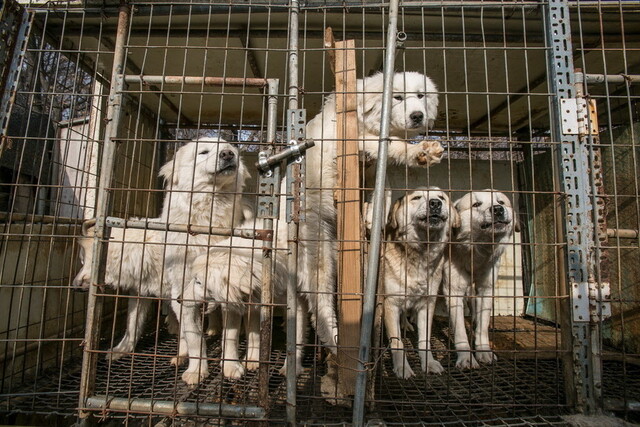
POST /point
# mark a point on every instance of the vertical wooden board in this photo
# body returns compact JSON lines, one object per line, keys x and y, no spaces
{"x":348,"y":206}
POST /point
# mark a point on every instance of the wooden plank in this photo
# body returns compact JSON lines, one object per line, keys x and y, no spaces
{"x":349,"y":221}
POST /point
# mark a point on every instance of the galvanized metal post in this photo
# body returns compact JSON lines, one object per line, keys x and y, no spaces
{"x":292,"y":228}
{"x":370,"y":287}
{"x":573,"y":167}
{"x":94,"y":305}
{"x":268,"y":191}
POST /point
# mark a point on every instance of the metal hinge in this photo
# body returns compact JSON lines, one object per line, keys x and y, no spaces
{"x":579,"y":116}
{"x":599,"y":300}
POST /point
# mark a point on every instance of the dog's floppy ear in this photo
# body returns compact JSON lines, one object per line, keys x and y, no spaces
{"x":516,"y":223}
{"x":432,"y":102}
{"x":169,"y":174}
{"x":456,"y":221}
{"x":392,"y":222}
{"x":369,"y":93}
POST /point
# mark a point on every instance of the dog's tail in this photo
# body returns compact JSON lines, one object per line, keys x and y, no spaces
{"x":323,"y":311}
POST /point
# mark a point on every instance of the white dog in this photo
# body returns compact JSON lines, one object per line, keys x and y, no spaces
{"x":205,"y":180}
{"x":414,"y":110}
{"x":487,"y":225}
{"x":414,"y":255}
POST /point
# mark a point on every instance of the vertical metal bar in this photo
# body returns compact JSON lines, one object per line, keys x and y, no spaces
{"x":266,"y":310}
{"x":573,"y":167}
{"x":376,"y":228}
{"x":94,"y":305}
{"x":292,"y":228}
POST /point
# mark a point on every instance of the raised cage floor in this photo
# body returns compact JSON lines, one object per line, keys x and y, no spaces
{"x":525,"y":388}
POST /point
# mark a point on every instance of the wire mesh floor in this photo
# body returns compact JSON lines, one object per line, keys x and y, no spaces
{"x":513,"y":391}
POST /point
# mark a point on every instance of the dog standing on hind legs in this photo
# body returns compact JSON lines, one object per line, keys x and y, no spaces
{"x":486,"y":228}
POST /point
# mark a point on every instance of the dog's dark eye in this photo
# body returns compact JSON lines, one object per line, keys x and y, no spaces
{"x":203,"y":152}
{"x":398,"y":97}
{"x":420,"y":95}
{"x":416,"y":198}
{"x":441,"y":197}
{"x":476,"y":204}
{"x":501,"y":202}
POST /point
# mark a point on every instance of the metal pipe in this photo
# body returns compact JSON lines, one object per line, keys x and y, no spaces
{"x":292,"y":228}
{"x":196,"y":80}
{"x":623,"y":233}
{"x":14,"y":217}
{"x":611,"y":78}
{"x":266,"y":296}
{"x":246,"y":233}
{"x":174,"y":408}
{"x":94,"y":305}
{"x":266,"y":163}
{"x":369,"y":303}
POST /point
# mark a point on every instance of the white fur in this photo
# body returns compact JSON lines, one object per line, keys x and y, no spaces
{"x":418,"y":229}
{"x":472,"y":269}
{"x":317,"y":246}
{"x":135,"y":257}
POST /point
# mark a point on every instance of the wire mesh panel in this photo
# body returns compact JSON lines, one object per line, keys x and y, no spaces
{"x":151,"y":157}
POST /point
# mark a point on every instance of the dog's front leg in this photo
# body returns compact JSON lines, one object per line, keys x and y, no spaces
{"x":392,"y":324}
{"x":454,"y":288}
{"x":191,"y":335}
{"x":482,"y":317}
{"x":137,"y":309}
{"x":425,"y":323}
{"x":252,"y":329}
{"x":231,"y":366}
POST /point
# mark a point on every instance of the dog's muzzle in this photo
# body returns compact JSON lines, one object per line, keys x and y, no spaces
{"x":500,"y":219}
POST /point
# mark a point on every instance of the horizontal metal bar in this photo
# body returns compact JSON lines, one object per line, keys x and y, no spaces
{"x":611,"y":78}
{"x":246,"y":233}
{"x":43,"y":219}
{"x":620,"y":404}
{"x":171,"y":407}
{"x":623,"y":233}
{"x":196,"y":80}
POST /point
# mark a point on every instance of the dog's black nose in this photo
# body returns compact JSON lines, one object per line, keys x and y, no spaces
{"x":417,"y":116}
{"x":435,"y":205}
{"x":498,"y":211}
{"x":227,"y":155}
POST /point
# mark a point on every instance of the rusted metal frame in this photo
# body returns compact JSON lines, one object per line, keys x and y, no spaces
{"x":170,"y":407}
{"x":581,"y":384}
{"x":103,"y":206}
{"x":13,"y":46}
{"x":611,"y":78}
{"x":197,"y":80}
{"x":246,"y":233}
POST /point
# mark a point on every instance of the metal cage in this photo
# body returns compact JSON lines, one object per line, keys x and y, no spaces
{"x":537,"y":101}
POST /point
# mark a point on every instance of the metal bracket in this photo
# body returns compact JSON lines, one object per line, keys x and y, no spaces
{"x":268,"y":185}
{"x":569,"y":112}
{"x":296,"y":122}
